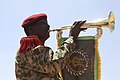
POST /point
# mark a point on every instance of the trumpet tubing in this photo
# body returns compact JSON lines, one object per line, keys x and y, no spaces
{"x":94,"y":24}
{"x":106,"y":22}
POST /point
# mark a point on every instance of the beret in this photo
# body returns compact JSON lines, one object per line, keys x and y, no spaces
{"x":34,"y":18}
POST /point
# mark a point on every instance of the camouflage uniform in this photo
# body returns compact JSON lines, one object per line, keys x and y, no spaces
{"x":40,"y":63}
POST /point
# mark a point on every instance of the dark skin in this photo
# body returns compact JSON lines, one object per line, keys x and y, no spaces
{"x":41,"y":30}
{"x":76,"y":29}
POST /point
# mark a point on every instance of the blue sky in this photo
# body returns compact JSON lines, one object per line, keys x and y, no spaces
{"x":60,"y":13}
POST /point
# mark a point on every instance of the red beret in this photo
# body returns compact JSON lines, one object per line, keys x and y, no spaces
{"x":34,"y":18}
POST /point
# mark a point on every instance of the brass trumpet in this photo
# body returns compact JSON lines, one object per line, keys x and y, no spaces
{"x":108,"y":22}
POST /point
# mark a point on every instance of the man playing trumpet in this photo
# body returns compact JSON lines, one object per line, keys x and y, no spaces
{"x":34,"y":60}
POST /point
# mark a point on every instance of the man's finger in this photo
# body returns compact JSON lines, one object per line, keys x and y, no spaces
{"x":76,"y":23}
{"x":82,"y":22}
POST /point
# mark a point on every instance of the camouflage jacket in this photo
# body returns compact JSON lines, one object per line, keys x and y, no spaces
{"x":40,"y":63}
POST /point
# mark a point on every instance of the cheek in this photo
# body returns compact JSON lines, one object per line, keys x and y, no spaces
{"x":43,"y":33}
{"x":42,"y":30}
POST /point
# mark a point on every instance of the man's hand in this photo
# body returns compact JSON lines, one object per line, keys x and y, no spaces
{"x":76,"y":29}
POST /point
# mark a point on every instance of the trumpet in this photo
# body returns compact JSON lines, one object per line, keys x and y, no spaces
{"x":108,"y":22}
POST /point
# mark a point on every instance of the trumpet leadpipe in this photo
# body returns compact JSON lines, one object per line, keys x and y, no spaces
{"x":85,"y":25}
{"x":59,"y":29}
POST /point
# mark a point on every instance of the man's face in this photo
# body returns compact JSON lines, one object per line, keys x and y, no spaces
{"x":41,"y":30}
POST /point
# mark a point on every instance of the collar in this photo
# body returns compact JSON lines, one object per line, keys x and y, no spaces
{"x":29,"y":42}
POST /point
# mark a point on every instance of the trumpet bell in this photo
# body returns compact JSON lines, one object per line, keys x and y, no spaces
{"x":111,"y":21}
{"x":108,"y":22}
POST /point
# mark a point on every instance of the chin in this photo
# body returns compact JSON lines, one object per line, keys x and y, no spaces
{"x":46,"y":38}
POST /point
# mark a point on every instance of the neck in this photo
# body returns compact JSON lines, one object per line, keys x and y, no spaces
{"x":42,"y":39}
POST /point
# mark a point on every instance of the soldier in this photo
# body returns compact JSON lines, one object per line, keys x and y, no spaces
{"x":34,"y":60}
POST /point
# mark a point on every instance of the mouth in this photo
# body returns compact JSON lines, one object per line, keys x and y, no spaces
{"x":49,"y":31}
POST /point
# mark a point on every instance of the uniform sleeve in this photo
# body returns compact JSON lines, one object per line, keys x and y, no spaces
{"x":43,"y":60}
{"x":62,"y":54}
